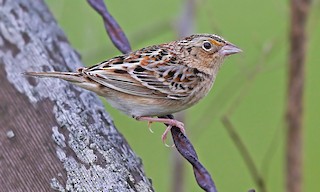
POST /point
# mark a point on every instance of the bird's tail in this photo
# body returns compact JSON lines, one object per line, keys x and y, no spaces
{"x":74,"y":77}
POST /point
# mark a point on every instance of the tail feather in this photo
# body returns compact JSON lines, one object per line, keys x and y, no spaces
{"x":74,"y":77}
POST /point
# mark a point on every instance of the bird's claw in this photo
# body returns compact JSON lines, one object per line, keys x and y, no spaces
{"x":149,"y":126}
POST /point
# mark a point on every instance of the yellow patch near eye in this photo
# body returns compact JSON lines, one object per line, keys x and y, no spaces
{"x":214,"y":42}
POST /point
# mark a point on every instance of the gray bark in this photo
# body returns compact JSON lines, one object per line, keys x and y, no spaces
{"x":54,"y":135}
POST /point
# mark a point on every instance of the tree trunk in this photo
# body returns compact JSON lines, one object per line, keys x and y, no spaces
{"x":54,"y":135}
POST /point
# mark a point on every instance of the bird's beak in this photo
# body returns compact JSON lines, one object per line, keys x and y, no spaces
{"x":229,"y":49}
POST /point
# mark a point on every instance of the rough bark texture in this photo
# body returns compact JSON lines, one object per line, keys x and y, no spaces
{"x":297,"y":55}
{"x":54,"y":135}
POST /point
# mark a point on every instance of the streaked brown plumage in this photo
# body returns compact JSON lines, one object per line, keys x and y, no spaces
{"x":156,"y":80}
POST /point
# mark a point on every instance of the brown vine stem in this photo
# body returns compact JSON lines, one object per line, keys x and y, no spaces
{"x":181,"y":142}
{"x":296,"y":66}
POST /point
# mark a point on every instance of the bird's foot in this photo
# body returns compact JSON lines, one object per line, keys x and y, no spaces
{"x":170,"y":122}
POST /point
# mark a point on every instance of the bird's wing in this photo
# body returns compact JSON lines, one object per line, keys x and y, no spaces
{"x":150,"y":72}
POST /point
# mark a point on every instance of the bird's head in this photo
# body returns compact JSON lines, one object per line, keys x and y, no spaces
{"x":207,"y":51}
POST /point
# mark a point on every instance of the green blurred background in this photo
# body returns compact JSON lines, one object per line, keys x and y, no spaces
{"x":250,"y":89}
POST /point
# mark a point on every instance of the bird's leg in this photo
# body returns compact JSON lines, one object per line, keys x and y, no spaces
{"x":169,"y":122}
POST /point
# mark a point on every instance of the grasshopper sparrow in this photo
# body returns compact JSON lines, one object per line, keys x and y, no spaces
{"x":156,"y":80}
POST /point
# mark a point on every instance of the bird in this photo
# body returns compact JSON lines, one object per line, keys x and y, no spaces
{"x":157,"y":80}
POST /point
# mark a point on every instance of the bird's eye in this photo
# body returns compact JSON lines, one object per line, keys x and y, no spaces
{"x":207,"y":45}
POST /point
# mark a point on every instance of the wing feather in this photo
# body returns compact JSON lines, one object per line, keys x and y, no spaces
{"x":150,"y":72}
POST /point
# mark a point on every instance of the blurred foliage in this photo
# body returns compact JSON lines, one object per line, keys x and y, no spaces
{"x":250,"y":89}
